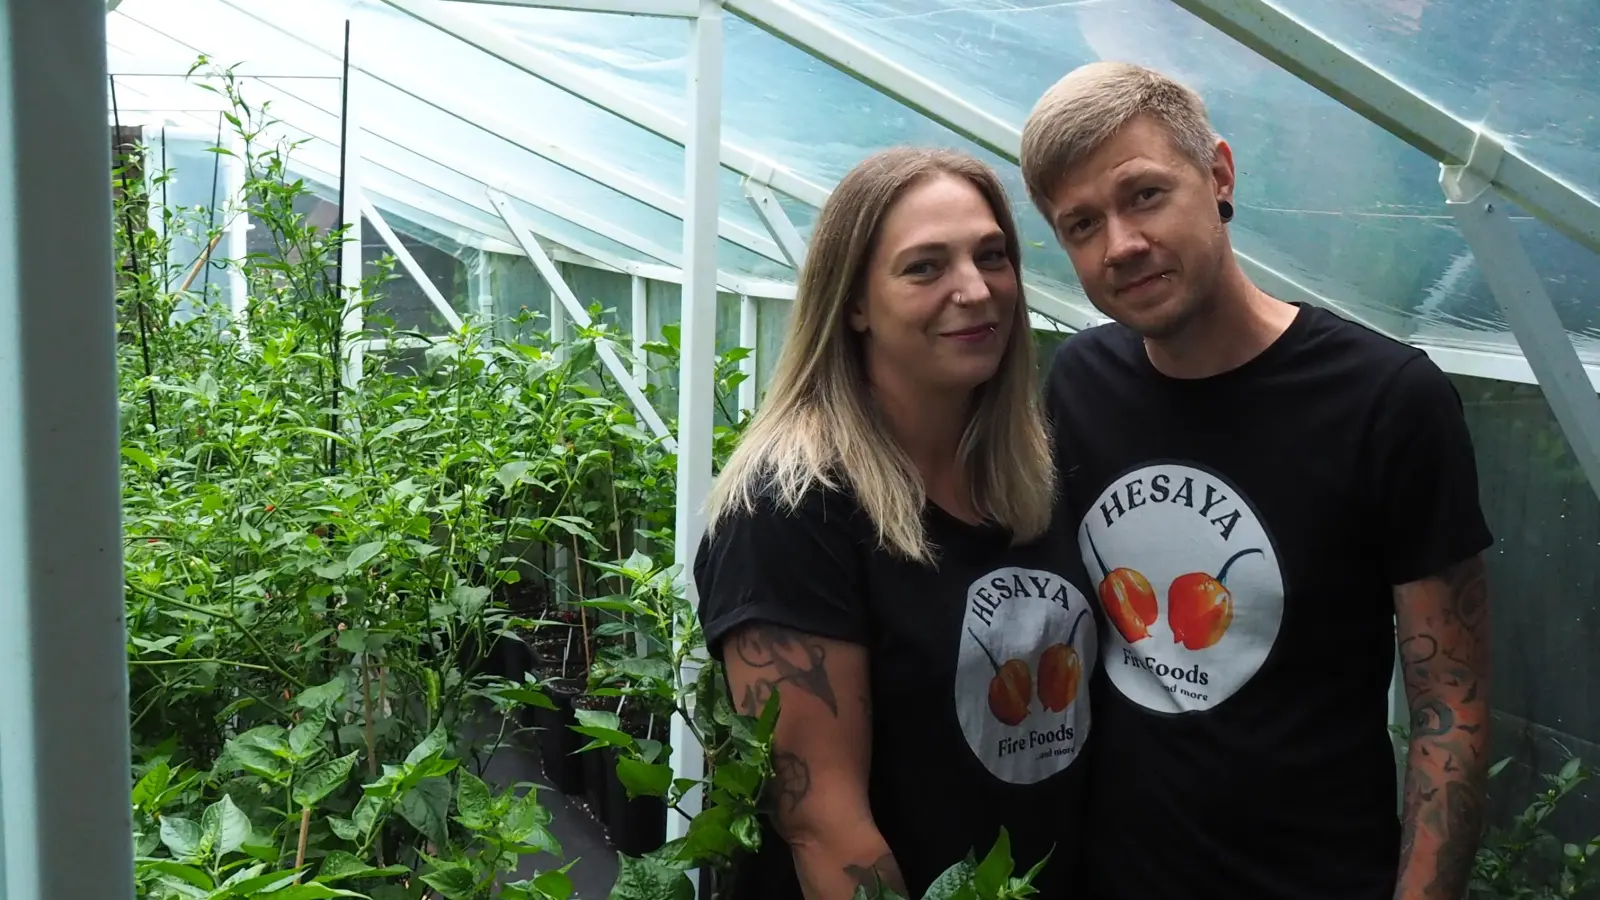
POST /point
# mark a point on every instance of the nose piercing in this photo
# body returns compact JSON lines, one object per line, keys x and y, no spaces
{"x":956,"y":298}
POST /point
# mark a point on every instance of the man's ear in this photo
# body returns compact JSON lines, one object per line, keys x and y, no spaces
{"x":1222,"y":171}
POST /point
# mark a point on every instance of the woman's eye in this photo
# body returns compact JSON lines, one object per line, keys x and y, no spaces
{"x":993,"y":257}
{"x":919,"y":268}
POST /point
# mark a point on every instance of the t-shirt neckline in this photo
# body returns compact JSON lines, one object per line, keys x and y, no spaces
{"x":1280,"y":345}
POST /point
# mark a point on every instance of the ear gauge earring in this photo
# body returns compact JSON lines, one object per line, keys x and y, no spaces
{"x":1225,"y":209}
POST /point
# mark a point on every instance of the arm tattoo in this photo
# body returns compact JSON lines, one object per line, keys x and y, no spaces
{"x":782,"y":657}
{"x":1444,"y":659}
{"x":881,"y":875}
{"x":786,"y":789}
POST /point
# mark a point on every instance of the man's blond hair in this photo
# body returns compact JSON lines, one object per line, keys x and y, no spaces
{"x":1090,"y":104}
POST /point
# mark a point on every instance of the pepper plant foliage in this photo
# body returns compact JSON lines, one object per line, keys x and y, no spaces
{"x":319,"y":566}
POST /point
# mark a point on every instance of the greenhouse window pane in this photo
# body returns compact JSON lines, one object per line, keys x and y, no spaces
{"x":1326,"y":198}
{"x":1528,"y":71}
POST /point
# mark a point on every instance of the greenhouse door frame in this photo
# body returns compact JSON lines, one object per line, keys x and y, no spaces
{"x":65,"y":754}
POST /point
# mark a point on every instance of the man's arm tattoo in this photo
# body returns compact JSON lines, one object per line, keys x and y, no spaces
{"x":782,"y":657}
{"x":1444,"y":660}
{"x":885,"y":873}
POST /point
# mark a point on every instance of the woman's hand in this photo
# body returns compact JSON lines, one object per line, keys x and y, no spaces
{"x":822,"y":753}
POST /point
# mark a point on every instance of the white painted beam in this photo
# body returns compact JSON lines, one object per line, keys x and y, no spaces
{"x":574,"y":309}
{"x":1335,"y":71}
{"x":409,"y":263}
{"x":674,"y":9}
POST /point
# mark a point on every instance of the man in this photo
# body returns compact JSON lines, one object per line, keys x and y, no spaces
{"x":1263,"y":493}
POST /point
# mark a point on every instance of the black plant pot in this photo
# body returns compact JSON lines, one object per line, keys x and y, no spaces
{"x":558,"y":743}
{"x":638,"y":825}
{"x":597,"y":770}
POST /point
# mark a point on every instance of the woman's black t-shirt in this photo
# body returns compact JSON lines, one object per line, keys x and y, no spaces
{"x":979,"y":677}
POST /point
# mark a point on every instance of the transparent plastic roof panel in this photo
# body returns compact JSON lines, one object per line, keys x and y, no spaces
{"x":1528,"y":71}
{"x":487,"y":122}
{"x":1326,"y":198}
{"x":779,"y":102}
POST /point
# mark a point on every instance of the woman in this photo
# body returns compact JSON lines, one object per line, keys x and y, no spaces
{"x":880,"y":552}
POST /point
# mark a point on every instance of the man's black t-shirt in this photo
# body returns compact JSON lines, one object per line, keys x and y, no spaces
{"x":980,"y":716}
{"x":1242,"y":533}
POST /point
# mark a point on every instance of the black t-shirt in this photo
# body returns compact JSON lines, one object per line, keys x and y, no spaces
{"x":1242,"y":533}
{"x":953,"y":758}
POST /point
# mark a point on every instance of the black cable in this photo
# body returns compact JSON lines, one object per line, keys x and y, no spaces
{"x":133,"y":260}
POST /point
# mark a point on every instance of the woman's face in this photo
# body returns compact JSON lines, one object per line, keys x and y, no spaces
{"x":940,"y":292}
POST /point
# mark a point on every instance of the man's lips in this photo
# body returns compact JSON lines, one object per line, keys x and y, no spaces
{"x":1138,"y":283}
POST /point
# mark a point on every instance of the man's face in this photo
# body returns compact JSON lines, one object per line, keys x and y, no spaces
{"x":1139,"y":221}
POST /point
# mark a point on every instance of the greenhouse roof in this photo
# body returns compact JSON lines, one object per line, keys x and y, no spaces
{"x":580,"y":117}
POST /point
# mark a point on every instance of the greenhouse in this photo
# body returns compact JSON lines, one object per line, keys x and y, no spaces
{"x":359,"y":438}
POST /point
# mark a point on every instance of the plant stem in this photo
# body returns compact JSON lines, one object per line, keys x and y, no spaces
{"x":305,"y":832}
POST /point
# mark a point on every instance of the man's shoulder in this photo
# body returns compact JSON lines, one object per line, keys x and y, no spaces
{"x":1094,"y":347}
{"x":1363,"y":348}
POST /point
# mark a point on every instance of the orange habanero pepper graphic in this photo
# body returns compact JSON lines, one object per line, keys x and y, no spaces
{"x":1061,"y":671}
{"x":1200,"y":607}
{"x":1011,"y":689}
{"x":1128,"y":598}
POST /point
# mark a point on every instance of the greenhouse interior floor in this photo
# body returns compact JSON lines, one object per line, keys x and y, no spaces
{"x":582,"y":837}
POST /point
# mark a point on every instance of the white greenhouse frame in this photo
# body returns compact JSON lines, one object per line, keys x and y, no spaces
{"x":63,"y":689}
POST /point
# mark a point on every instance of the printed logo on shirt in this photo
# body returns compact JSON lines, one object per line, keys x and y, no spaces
{"x":1189,"y":581}
{"x":1027,"y":644}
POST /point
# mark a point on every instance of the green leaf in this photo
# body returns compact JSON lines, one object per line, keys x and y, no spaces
{"x":432,"y":745}
{"x":644,"y":779}
{"x":650,"y":879}
{"x":140,"y":457}
{"x":954,"y":884}
{"x":323,"y":780}
{"x":305,"y":738}
{"x":312,"y":891}
{"x":426,"y":807}
{"x":453,"y":880}
{"x":555,"y":885}
{"x":996,"y":868}
{"x":363,"y":554}
{"x":470,"y":599}
{"x":474,"y":808}
{"x":245,"y":883}
{"x":400,"y":427}
{"x":339,"y":865}
{"x":512,"y":472}
{"x":741,"y":780}
{"x":321,"y":695}
{"x":189,"y":874}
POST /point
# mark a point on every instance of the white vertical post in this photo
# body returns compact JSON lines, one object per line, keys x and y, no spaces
{"x":1480,"y":215}
{"x":640,"y":329}
{"x":749,"y":336}
{"x":65,"y":823}
{"x":482,"y":288}
{"x":238,"y":238}
{"x":698,"y":348}
{"x":350,"y":252}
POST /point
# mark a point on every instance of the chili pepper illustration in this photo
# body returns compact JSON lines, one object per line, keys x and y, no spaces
{"x":1128,"y":599}
{"x":1011,"y":689}
{"x":1200,"y":607}
{"x":1061,"y":671}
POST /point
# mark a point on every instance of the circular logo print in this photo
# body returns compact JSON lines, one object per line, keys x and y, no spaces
{"x":1189,"y":582}
{"x":1028,"y":642}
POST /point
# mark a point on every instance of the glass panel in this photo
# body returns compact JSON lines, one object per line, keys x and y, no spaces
{"x":1529,"y":71}
{"x":1325,"y":197}
{"x":405,"y":121}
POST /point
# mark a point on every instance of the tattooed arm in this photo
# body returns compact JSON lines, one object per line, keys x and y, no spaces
{"x":1444,"y":653}
{"x":817,"y":797}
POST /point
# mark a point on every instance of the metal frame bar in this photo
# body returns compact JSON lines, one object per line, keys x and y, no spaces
{"x":672,"y":9}
{"x":831,"y":45}
{"x":1480,"y":215}
{"x":1335,"y":71}
{"x":704,"y":149}
{"x":639,"y":319}
{"x":580,"y":84}
{"x":574,"y":309}
{"x":409,"y":263}
{"x":477,"y":117}
{"x":64,"y":747}
{"x":783,"y":232}
{"x":749,"y":337}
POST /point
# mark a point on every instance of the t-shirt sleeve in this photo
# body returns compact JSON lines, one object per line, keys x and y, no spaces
{"x":799,"y":568}
{"x":1428,"y":514}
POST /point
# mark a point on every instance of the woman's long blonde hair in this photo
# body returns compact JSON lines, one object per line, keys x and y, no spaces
{"x":818,"y":421}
